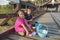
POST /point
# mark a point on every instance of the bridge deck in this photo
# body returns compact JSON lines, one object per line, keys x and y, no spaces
{"x":47,"y":19}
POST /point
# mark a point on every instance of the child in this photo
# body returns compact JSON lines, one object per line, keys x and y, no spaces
{"x":21,"y":25}
{"x":28,"y":15}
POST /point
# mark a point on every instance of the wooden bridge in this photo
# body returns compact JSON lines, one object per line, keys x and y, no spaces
{"x":42,"y":17}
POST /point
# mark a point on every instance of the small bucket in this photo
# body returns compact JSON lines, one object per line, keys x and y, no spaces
{"x":42,"y":33}
{"x":42,"y":30}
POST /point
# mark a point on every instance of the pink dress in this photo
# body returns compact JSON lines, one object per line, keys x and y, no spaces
{"x":18,"y":27}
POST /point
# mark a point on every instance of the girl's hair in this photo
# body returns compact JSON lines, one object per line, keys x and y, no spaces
{"x":20,"y":11}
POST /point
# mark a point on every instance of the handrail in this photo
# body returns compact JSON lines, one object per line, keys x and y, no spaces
{"x":56,"y":2}
{"x":23,"y":3}
{"x":7,"y":15}
{"x":10,"y":15}
{"x":32,"y":5}
{"x":28,"y":4}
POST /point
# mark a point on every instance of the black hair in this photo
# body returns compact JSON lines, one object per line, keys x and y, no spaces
{"x":36,"y":22}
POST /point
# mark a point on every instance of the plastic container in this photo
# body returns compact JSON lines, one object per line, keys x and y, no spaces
{"x":42,"y":30}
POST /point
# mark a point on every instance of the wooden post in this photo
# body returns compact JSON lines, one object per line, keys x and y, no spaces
{"x":58,"y":8}
{"x":19,"y":4}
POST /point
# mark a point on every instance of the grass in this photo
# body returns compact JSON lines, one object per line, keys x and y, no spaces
{"x":2,"y":28}
{"x":11,"y":21}
{"x":1,"y":20}
{"x":6,"y":9}
{"x":38,"y":2}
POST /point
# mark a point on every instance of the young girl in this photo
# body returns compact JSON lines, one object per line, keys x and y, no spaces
{"x":21,"y":25}
{"x":28,"y":15}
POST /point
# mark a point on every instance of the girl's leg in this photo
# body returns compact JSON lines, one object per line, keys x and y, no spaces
{"x":21,"y":33}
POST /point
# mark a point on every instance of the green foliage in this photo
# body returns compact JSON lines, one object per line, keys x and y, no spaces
{"x":38,"y":1}
{"x":1,"y":29}
{"x":6,"y":9}
{"x":11,"y":21}
{"x":1,"y":20}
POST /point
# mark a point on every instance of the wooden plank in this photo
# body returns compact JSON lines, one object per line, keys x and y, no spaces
{"x":6,"y":32}
{"x":32,"y":5}
{"x":28,"y":4}
{"x":45,"y":3}
{"x":4,"y":21}
{"x":7,"y":15}
{"x":55,"y":3}
{"x":1,"y":20}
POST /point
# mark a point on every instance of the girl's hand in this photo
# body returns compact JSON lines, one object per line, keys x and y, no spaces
{"x":27,"y":33}
{"x":32,"y":30}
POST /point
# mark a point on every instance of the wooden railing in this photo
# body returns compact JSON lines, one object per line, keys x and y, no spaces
{"x":7,"y":15}
{"x":56,"y":2}
{"x":10,"y":15}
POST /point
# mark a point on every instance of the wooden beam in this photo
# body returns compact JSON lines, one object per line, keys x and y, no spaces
{"x":19,"y":4}
{"x":28,"y":4}
{"x":57,"y":2}
{"x":7,"y":15}
{"x":45,"y":3}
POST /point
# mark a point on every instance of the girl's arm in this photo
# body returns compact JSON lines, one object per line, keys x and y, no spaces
{"x":28,"y":25}
{"x":25,"y":29}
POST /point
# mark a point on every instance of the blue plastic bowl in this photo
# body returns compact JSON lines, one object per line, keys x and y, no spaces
{"x":42,"y":32}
